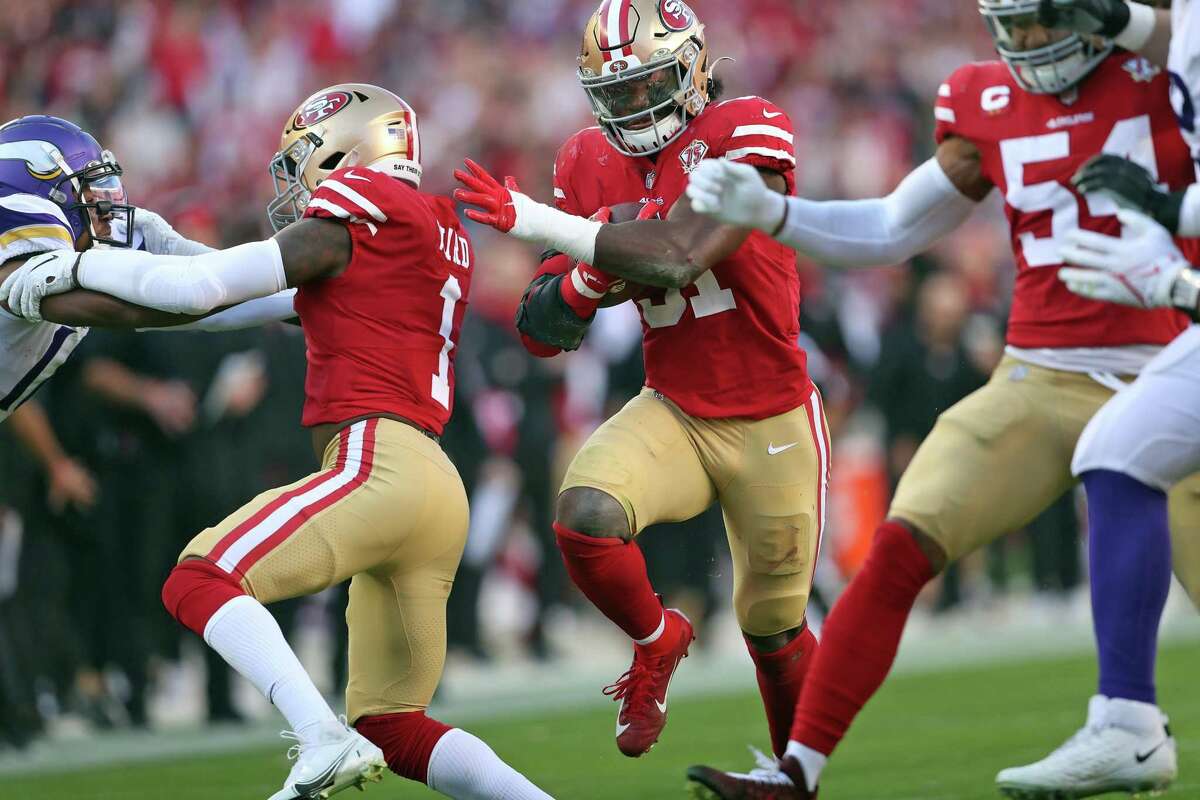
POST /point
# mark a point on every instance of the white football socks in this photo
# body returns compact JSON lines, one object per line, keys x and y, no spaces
{"x":812,"y":761}
{"x":249,"y":638}
{"x":465,"y":768}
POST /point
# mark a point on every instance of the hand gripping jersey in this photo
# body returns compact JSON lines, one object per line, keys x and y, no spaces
{"x":30,"y":352}
{"x":726,"y":346}
{"x":1030,"y":146}
{"x":381,"y":336}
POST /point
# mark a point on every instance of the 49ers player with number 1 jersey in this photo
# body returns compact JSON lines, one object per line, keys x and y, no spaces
{"x":1024,"y":125}
{"x":728,"y":413}
{"x":382,"y":272}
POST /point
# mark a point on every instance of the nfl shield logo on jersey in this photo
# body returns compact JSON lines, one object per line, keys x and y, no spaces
{"x":1141,"y":69}
{"x":693,"y":154}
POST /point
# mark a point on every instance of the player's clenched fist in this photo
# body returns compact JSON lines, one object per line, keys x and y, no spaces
{"x":735,"y":194}
{"x":38,"y":278}
{"x":1105,"y":18}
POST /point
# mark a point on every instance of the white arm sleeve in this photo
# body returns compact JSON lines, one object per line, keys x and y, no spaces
{"x":185,"y":284}
{"x":864,"y":233}
{"x":1189,"y":213}
{"x":250,"y":314}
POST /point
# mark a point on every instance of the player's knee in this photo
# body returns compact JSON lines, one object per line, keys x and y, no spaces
{"x":594,"y":513}
{"x":768,"y":617}
{"x":195,"y":590}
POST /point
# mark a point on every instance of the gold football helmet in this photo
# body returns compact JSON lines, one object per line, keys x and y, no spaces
{"x":645,"y":67}
{"x":347,"y":125}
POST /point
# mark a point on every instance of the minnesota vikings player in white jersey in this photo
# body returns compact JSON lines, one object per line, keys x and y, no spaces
{"x":59,"y":190}
{"x":1146,"y":438}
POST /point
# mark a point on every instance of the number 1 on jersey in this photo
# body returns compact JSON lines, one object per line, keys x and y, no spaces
{"x":451,"y":293}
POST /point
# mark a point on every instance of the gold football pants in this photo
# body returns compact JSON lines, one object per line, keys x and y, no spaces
{"x":999,"y":457}
{"x":387,"y":510}
{"x":770,"y":475}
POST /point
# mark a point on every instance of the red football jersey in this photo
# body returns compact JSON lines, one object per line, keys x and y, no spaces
{"x":381,"y":336}
{"x":1031,"y":145}
{"x":726,"y":346}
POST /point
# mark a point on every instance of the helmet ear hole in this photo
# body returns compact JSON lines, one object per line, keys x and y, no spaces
{"x":332,"y":161}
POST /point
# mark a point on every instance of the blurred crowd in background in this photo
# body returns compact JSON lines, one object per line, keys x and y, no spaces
{"x":177,"y":430}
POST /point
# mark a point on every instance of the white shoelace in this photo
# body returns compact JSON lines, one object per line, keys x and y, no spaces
{"x":767,"y":769}
{"x":295,"y":750}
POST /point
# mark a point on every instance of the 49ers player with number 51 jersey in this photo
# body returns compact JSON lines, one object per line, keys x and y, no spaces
{"x":1024,"y":125}
{"x":728,"y":413}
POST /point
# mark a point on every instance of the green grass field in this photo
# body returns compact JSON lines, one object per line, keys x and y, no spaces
{"x":938,"y":736}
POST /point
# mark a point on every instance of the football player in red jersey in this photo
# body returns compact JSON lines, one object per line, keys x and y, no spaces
{"x":382,"y":273}
{"x":1023,"y":124}
{"x":728,"y":413}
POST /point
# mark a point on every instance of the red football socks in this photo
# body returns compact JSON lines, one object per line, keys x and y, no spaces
{"x":780,"y":678}
{"x":860,"y":638}
{"x":407,"y":740}
{"x":194,"y":591}
{"x":612,"y":574}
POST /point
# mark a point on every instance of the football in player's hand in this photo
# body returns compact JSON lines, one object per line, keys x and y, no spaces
{"x":623,"y":290}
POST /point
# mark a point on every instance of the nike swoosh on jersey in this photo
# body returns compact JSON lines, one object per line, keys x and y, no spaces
{"x":351,"y":176}
{"x":772,"y":115}
{"x":772,"y":450}
{"x":1141,"y":757}
{"x":662,"y":707}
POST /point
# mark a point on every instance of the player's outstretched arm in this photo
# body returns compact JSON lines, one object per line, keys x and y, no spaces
{"x":933,"y":200}
{"x":193,"y":286}
{"x":669,"y":253}
{"x":1133,"y":26}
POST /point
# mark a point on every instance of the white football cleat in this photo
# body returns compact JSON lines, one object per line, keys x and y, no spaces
{"x":1125,"y":746}
{"x":338,"y":758}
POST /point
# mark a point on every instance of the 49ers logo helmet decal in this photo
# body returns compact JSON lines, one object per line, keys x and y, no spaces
{"x":320,"y":108}
{"x":676,"y":15}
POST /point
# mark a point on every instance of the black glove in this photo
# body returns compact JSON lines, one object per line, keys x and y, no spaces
{"x":1132,"y":187}
{"x":1105,"y":18}
{"x":544,"y":316}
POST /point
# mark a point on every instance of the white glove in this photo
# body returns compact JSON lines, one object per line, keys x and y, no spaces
{"x":736,"y":195}
{"x":161,"y":239}
{"x":1139,"y":270}
{"x":40,"y":276}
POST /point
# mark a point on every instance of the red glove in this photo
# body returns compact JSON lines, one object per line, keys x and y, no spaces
{"x":486,"y":192}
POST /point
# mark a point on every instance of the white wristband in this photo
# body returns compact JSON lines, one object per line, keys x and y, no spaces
{"x":556,"y":229}
{"x":1137,"y":33}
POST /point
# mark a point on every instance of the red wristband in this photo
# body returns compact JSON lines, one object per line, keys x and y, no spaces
{"x":583,"y":289}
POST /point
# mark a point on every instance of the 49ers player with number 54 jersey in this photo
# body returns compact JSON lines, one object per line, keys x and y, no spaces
{"x":382,"y":272}
{"x":728,"y":413}
{"x":1024,"y":125}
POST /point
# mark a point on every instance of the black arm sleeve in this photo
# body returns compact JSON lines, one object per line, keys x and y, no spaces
{"x":544,"y":316}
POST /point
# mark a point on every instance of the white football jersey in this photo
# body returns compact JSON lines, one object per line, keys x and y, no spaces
{"x":30,"y":352}
{"x":1183,"y":63}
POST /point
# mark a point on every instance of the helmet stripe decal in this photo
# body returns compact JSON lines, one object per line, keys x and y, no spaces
{"x":625,"y":37}
{"x":608,"y":13}
{"x":413,"y":136}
